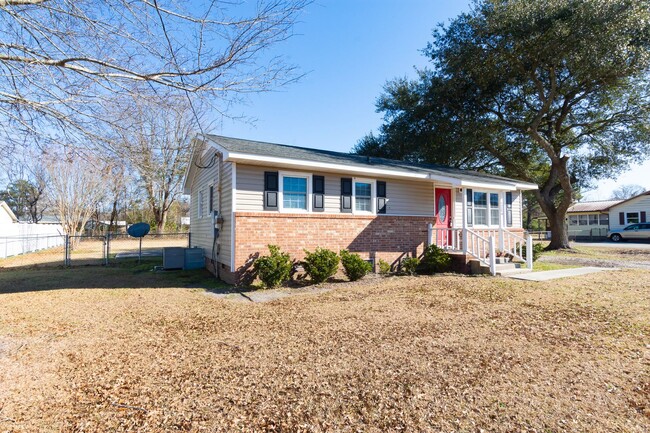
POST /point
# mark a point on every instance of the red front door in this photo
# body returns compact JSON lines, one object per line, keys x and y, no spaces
{"x":442,"y":238}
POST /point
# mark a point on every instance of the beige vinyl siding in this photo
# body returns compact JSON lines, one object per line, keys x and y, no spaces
{"x":404,"y":197}
{"x":225,"y":234}
{"x":458,"y":208}
{"x":409,"y":198}
{"x":516,"y":209}
{"x":639,"y":204}
{"x":202,"y":227}
{"x":250,"y":188}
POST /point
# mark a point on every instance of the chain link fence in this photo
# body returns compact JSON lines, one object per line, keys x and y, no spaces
{"x":84,"y":250}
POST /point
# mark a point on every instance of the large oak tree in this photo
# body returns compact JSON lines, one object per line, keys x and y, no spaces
{"x":554,"y":92}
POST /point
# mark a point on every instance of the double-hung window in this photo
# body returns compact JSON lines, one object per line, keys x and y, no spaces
{"x":362,"y":196}
{"x":480,"y":208}
{"x":494,"y":209}
{"x":632,"y":217}
{"x":294,"y":192}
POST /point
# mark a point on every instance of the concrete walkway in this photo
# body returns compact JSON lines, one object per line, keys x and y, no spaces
{"x":560,"y":273}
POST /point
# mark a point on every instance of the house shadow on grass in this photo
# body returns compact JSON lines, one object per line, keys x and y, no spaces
{"x":127,"y":274}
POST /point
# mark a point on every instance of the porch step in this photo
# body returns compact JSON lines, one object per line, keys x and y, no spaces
{"x":502,"y":269}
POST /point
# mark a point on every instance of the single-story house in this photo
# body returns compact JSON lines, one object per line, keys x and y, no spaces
{"x":248,"y":194}
{"x":630,"y":211}
{"x":591,"y":220}
{"x":7,"y":216}
{"x":18,"y":237}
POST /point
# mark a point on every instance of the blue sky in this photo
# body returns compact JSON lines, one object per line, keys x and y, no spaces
{"x":348,"y":50}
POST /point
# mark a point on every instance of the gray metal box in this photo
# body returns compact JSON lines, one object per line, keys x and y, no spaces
{"x":173,"y":257}
{"x":194,"y":259}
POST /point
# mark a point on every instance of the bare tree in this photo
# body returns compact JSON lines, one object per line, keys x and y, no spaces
{"x":60,"y":59}
{"x":624,"y":192}
{"x":27,"y":184}
{"x":78,"y":185}
{"x":154,"y":139}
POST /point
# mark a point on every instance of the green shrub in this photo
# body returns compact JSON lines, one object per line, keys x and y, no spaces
{"x":384,"y":267}
{"x":435,"y":259}
{"x":538,"y":249}
{"x":321,"y":264}
{"x":354,"y":266}
{"x":410,"y":265}
{"x":274,"y":269}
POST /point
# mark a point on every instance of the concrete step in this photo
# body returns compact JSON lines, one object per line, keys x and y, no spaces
{"x":513,"y":271}
{"x":503,"y":269}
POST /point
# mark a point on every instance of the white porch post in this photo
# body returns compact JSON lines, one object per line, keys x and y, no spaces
{"x":429,"y":234}
{"x":502,"y":215}
{"x":464,"y":216}
{"x":529,"y":251}
{"x":493,"y":259}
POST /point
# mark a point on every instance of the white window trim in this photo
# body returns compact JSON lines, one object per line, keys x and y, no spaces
{"x":281,"y":176}
{"x":373,"y":196}
{"x":638,"y":218}
{"x":488,"y":208}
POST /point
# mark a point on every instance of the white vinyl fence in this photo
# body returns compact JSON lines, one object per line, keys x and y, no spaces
{"x":19,"y":238}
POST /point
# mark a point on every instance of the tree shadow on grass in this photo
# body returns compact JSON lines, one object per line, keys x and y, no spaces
{"x":120,"y":275}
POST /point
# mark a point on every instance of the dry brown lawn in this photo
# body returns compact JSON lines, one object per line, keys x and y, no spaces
{"x":443,"y":353}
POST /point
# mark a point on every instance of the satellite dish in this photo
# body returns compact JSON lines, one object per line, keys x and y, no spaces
{"x":139,"y":230}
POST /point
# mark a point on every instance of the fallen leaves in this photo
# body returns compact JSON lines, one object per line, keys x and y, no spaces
{"x":442,"y":353}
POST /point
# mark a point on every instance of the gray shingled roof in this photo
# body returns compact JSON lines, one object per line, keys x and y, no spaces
{"x":327,"y":156}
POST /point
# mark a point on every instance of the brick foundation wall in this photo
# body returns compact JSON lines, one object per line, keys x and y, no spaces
{"x":380,"y":237}
{"x":224,"y":272}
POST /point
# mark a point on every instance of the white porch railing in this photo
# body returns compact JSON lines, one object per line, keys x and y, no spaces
{"x":482,"y":244}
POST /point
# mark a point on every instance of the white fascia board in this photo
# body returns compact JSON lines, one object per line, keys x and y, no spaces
{"x":242,"y":157}
{"x":526,"y":186}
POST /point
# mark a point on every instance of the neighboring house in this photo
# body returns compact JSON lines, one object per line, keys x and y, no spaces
{"x":7,"y":216}
{"x":589,"y":220}
{"x":247,"y":194}
{"x":94,"y":225}
{"x":592,"y":220}
{"x":20,"y":238}
{"x":630,"y":211}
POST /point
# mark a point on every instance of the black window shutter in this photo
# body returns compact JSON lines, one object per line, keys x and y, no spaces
{"x":470,"y":206}
{"x":319,"y":193}
{"x":643,"y":216}
{"x":381,"y":197}
{"x":211,"y":199}
{"x":621,"y":218}
{"x":270,"y":190}
{"x":346,"y":195}
{"x":509,"y":209}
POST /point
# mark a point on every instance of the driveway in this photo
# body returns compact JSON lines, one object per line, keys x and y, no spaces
{"x":622,"y":245}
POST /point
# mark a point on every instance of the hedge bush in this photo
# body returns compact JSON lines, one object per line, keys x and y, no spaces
{"x":274,"y":269}
{"x":384,"y":267}
{"x":538,"y":249}
{"x":354,"y":266}
{"x":435,"y":259}
{"x":321,"y":264}
{"x":410,"y":265}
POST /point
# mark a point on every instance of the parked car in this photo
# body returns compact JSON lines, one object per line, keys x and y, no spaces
{"x":633,"y":231}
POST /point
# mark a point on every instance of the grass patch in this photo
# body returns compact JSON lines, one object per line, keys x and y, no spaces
{"x":549,"y":266}
{"x":428,"y":353}
{"x":123,"y":274}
